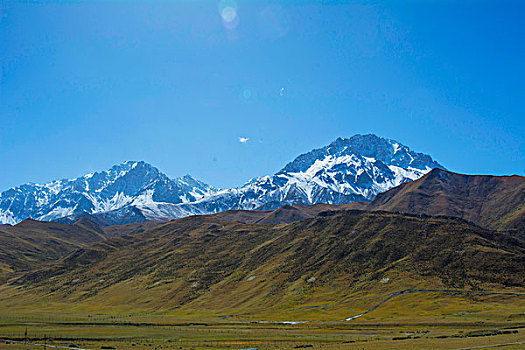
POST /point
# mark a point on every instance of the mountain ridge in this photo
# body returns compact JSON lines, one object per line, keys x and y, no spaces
{"x":128,"y":183}
{"x":204,"y":262}
{"x":347,"y":170}
{"x":494,"y":202}
{"x":33,"y":244}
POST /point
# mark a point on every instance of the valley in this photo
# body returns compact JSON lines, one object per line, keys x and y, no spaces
{"x":262,"y":175}
{"x":410,"y":322}
{"x":213,"y":282}
{"x":429,"y":260}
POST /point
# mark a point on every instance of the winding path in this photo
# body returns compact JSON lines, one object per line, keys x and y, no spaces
{"x":388,"y":297}
{"x":413,"y":291}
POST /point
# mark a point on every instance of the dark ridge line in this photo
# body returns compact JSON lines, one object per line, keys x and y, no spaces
{"x":330,"y":212}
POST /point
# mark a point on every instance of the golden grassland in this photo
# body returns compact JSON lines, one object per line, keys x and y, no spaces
{"x":409,"y":321}
{"x":195,"y":283}
{"x":265,"y":336}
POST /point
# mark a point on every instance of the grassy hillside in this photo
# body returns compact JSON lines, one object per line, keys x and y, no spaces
{"x":205,"y":263}
{"x":30,"y":244}
{"x":235,"y":280}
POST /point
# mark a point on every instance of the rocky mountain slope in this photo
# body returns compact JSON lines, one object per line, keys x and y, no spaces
{"x":123,"y":186}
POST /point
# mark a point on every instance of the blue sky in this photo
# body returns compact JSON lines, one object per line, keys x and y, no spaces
{"x":89,"y":84}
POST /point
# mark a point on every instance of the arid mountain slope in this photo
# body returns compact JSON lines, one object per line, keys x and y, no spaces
{"x":26,"y":245}
{"x":204,"y":262}
{"x":283,"y":215}
{"x":496,"y":202}
{"x":29,"y":244}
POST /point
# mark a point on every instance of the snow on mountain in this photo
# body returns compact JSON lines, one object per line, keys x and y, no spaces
{"x":347,"y":170}
{"x":126,"y":184}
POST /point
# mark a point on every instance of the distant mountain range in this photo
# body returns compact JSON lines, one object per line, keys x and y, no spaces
{"x":123,"y":186}
{"x":492,"y":202}
{"x":441,"y":231}
{"x":347,"y":170}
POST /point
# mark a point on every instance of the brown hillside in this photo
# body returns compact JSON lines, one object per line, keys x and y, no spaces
{"x":202,"y":262}
{"x":283,"y":215}
{"x":30,"y":243}
{"x":496,"y":202}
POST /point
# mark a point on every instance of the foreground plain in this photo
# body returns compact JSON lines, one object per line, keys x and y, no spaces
{"x":433,"y":320}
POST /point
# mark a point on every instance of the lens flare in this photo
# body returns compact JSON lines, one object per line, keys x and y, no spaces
{"x":228,"y":12}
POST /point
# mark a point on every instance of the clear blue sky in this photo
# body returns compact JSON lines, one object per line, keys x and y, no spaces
{"x":88,"y":84}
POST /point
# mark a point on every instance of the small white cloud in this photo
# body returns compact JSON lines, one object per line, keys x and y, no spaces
{"x":243,"y":139}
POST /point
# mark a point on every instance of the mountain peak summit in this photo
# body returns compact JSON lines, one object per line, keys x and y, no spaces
{"x":387,"y":151}
{"x":127,"y":183}
{"x":348,"y":169}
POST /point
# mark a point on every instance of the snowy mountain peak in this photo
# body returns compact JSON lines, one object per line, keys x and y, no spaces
{"x":346,"y":170}
{"x":355,"y":168}
{"x":388,"y":151}
{"x":128,"y":183}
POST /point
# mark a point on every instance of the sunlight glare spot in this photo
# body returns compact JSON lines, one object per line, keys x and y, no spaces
{"x":228,"y":12}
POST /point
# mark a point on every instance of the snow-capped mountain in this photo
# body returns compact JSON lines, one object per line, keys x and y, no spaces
{"x":124,"y":185}
{"x":347,"y":170}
